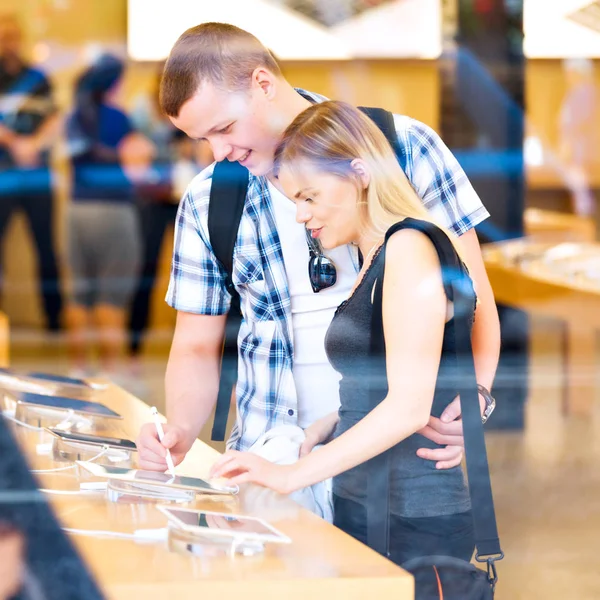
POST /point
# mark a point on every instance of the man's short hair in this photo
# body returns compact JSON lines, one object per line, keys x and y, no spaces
{"x":218,"y":53}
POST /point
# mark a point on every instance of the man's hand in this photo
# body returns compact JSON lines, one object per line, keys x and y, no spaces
{"x":25,"y":151}
{"x":152,"y":454}
{"x":446,"y":431}
{"x":318,"y":433}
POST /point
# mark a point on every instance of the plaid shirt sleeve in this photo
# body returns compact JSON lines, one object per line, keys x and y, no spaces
{"x":197,"y":283}
{"x":438,"y":178}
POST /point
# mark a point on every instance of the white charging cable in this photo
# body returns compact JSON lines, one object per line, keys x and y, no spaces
{"x":8,"y":416}
{"x":65,"y":425}
{"x":105,"y":449}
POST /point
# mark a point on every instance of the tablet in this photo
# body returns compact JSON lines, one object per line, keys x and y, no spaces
{"x":156,"y":478}
{"x":51,"y":377}
{"x":94,"y":440}
{"x":206,"y":522}
{"x":63,"y":403}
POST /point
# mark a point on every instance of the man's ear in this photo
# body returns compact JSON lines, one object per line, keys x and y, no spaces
{"x":265,"y":80}
{"x":360,"y":168}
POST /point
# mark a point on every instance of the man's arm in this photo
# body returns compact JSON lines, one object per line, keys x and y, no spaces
{"x":26,"y":149}
{"x":7,"y":135}
{"x":486,"y":328}
{"x":191,"y":387}
{"x":48,"y":133}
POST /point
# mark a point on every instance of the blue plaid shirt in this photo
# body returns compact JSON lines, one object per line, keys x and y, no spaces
{"x":266,"y":394}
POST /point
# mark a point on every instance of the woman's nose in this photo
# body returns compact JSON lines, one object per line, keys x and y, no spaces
{"x":302,"y":213}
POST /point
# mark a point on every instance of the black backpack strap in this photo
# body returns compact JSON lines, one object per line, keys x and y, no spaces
{"x":228,"y":191}
{"x":384,"y":119}
{"x":459,"y":289}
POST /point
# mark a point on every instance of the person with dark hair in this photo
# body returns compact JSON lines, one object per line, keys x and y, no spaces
{"x":108,"y":159}
{"x":37,"y":560}
{"x":29,"y":126}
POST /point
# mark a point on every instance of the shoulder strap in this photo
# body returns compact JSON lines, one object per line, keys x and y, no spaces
{"x":228,"y":191}
{"x":384,"y":119}
{"x":460,"y":290}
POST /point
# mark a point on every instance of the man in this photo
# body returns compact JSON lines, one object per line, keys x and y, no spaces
{"x":221,"y":84}
{"x":29,"y":125}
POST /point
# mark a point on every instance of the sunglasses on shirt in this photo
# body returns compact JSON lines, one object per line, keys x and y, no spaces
{"x":321,"y":270}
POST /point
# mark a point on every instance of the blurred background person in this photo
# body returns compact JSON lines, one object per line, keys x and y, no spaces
{"x":29,"y":126}
{"x":177,"y":160}
{"x":12,"y":560}
{"x":109,"y":158}
{"x":579,"y":134}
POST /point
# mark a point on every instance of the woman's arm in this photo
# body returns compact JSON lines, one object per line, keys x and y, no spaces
{"x":414,"y":312}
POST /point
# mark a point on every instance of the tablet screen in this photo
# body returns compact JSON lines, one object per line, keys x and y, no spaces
{"x":232,"y":523}
{"x":157,"y":478}
{"x":58,"y":379}
{"x":95,"y":439}
{"x":80,"y":406}
{"x":207,"y":522}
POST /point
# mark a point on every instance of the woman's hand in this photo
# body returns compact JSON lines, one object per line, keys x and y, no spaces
{"x":318,"y":433}
{"x":245,"y":467}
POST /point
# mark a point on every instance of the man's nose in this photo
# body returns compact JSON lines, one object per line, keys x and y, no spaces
{"x":220,"y":150}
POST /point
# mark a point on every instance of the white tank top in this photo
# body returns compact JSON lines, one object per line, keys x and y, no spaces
{"x":317,"y":383}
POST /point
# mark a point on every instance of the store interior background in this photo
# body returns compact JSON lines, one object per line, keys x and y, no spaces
{"x":546,"y":482}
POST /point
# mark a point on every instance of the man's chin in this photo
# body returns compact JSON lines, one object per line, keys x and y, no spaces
{"x":260,"y":168}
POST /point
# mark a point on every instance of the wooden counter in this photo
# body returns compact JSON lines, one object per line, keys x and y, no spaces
{"x":322,"y":561}
{"x":577,"y":307}
{"x":4,"y":340}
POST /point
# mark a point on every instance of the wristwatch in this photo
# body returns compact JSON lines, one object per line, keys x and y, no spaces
{"x":490,"y":402}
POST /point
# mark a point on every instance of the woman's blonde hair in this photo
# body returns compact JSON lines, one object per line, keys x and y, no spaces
{"x":329,"y":136}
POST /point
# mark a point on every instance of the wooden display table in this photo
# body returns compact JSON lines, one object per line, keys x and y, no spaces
{"x":322,"y":561}
{"x":558,"y":296}
{"x":557,"y":226}
{"x":4,"y":340}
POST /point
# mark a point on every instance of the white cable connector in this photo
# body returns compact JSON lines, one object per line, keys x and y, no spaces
{"x":79,"y":492}
{"x":98,"y":486}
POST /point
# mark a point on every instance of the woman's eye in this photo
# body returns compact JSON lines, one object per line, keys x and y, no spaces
{"x":226,"y":129}
{"x":309,"y":200}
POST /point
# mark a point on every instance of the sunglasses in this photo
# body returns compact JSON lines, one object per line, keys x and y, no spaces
{"x":321,"y":270}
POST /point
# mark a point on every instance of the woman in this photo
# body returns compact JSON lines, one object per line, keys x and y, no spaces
{"x":348,"y":188}
{"x":109,"y":158}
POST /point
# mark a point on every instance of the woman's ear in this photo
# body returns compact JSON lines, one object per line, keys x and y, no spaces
{"x":360,"y":168}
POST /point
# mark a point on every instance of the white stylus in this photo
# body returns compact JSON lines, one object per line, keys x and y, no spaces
{"x":161,"y":435}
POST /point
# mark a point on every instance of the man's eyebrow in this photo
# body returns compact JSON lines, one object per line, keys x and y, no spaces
{"x":218,"y":127}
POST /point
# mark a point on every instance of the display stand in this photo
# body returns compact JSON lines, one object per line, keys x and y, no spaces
{"x":184,"y":542}
{"x":70,"y":451}
{"x":125,"y":491}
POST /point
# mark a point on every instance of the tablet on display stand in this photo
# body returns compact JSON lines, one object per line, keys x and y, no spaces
{"x":152,"y":485}
{"x":57,"y":411}
{"x":48,"y":384}
{"x":205,"y":523}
